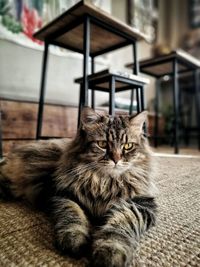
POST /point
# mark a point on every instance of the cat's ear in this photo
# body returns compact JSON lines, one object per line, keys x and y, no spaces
{"x":89,"y":117}
{"x":137,"y":121}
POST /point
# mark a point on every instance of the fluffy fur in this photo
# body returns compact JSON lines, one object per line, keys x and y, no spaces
{"x":96,"y":188}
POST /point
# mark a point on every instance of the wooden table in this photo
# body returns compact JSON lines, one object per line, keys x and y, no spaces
{"x":90,"y":31}
{"x":174,"y":64}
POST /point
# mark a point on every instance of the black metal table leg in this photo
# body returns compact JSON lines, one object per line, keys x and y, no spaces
{"x":83,"y":94}
{"x":86,"y":54}
{"x":42,"y":91}
{"x":93,"y":91}
{"x":80,"y":105}
{"x":156,"y":108}
{"x":1,"y":146}
{"x":142,"y":98}
{"x":188,"y":122}
{"x":112,"y":97}
{"x":197,"y":100}
{"x":136,"y":72}
{"x":176,"y":106}
{"x":138,"y":100}
{"x":131,"y":102}
{"x":135,"y":60}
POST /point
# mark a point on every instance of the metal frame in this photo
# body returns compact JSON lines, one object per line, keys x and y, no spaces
{"x":131,"y":101}
{"x":93,"y":92}
{"x":67,"y":47}
{"x":175,"y":61}
{"x":112,"y":79}
{"x":176,"y":106}
{"x":117,"y":90}
{"x":86,"y":54}
{"x":128,"y":39}
{"x":142,"y":98}
{"x":156,"y":107}
{"x":80,"y":105}
{"x":135,"y":71}
{"x":112,"y":48}
{"x":181,"y":61}
{"x":87,"y":20}
{"x":112,"y":96}
{"x":197,"y":100}
{"x":176,"y":95}
{"x":138,"y":100}
{"x":136,"y":63}
{"x":64,"y":30}
{"x":42,"y":91}
{"x":162,"y":75}
{"x":94,"y":83}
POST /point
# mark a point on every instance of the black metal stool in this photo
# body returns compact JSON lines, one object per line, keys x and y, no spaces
{"x":113,"y":82}
{"x":173,"y":64}
{"x":189,"y":90}
{"x":88,"y":30}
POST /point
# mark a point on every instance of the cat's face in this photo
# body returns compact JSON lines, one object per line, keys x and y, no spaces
{"x":113,"y":145}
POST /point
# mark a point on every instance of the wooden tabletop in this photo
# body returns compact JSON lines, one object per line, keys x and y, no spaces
{"x":162,"y":65}
{"x":101,"y":38}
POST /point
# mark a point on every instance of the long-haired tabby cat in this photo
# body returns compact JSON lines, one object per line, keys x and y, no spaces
{"x":96,"y":188}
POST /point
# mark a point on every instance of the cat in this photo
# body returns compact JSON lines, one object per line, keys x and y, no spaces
{"x":96,"y":188}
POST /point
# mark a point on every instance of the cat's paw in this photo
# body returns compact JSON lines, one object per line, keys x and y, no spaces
{"x":73,"y":243}
{"x":113,"y":255}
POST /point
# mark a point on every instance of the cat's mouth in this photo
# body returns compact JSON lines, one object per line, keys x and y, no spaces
{"x":115,"y":168}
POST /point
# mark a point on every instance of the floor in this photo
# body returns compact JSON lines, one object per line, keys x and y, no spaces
{"x":184,"y":151}
{"x":174,"y":241}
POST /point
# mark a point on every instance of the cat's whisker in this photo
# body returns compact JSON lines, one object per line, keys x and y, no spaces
{"x":81,"y":169}
{"x":74,"y":169}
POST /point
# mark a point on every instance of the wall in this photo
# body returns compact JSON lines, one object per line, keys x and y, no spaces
{"x":21,"y":71}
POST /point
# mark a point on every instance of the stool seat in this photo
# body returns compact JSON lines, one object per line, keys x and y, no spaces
{"x":123,"y":80}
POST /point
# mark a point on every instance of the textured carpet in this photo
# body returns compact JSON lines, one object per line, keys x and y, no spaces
{"x":26,"y":238}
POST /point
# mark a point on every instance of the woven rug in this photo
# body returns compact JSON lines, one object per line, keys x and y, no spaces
{"x":26,"y":238}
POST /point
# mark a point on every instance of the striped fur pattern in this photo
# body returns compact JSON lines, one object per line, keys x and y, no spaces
{"x":97,"y":187}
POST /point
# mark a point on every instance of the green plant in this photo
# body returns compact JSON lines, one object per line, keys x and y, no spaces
{"x":11,"y":24}
{"x":4,"y":7}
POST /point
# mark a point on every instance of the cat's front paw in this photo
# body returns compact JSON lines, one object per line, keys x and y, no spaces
{"x":73,"y":243}
{"x":112,"y":255}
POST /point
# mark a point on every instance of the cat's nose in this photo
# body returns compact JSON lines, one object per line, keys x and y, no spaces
{"x":116,"y":156}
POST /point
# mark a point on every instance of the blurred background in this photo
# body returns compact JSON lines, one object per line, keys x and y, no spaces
{"x":168,"y":25}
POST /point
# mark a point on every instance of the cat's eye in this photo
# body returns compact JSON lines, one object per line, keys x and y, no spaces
{"x":102,"y":144}
{"x":127,"y":146}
